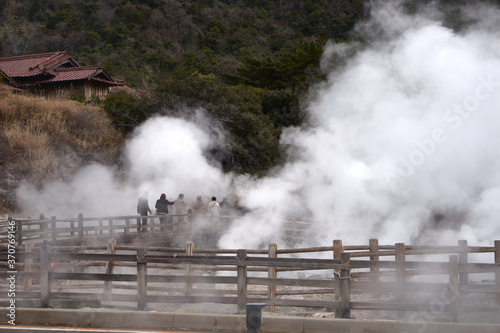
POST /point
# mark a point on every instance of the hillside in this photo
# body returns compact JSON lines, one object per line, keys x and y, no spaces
{"x":249,"y":64}
{"x":174,"y":37}
{"x":49,"y":140}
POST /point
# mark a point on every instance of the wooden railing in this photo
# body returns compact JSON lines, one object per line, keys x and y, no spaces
{"x":385,"y":280}
{"x":56,"y":230}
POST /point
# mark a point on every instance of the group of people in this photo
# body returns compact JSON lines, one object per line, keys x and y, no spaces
{"x":213,"y":209}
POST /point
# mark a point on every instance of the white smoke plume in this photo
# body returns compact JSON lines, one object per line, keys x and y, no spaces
{"x":403,"y":142}
{"x":164,"y":155}
{"x":402,"y":145}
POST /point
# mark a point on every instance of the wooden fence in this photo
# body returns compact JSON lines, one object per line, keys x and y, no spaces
{"x":67,"y":230}
{"x":362,"y":277}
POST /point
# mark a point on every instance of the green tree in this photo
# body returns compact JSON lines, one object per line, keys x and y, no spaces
{"x":252,"y":143}
{"x":127,"y":111}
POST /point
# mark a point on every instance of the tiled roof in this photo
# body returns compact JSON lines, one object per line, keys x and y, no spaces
{"x":96,"y":73}
{"x":34,"y":64}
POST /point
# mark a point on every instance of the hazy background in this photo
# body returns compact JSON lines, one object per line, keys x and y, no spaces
{"x":402,"y":145}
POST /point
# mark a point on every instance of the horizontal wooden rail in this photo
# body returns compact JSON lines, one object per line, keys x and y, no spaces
{"x":253,"y":274}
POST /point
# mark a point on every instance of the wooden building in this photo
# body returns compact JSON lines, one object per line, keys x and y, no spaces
{"x":56,"y":75}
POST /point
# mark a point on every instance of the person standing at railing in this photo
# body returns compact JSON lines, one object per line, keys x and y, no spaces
{"x":143,"y":209}
{"x":214,"y":210}
{"x":162,"y":209}
{"x":225,"y":206}
{"x":180,"y":209}
{"x":199,"y":207}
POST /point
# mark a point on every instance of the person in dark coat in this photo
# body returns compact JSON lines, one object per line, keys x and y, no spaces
{"x":143,"y":209}
{"x":162,"y":209}
{"x":225,"y":207}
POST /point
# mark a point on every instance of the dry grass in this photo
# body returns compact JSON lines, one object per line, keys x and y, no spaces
{"x":37,"y":136}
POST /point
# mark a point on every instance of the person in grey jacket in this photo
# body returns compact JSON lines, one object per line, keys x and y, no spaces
{"x":143,"y":210}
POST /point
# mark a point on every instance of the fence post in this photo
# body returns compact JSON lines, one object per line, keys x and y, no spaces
{"x":453,"y":286}
{"x":463,"y":259}
{"x":44,"y":275}
{"x":497,"y":273}
{"x":345,"y":286}
{"x":400,"y":257}
{"x":43,"y":225}
{"x":80,"y":225}
{"x":110,"y":266}
{"x":400,"y":272}
{"x":142,"y":290}
{"x":19,"y":231}
{"x":28,"y":266}
{"x":241,"y":255}
{"x":189,"y":268}
{"x":338,"y":249}
{"x":272,"y":274}
{"x":101,"y":227}
{"x":53,"y":227}
{"x":127,"y":226}
{"x":110,"y":225}
{"x":375,"y":269}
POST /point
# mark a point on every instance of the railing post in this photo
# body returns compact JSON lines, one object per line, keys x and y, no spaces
{"x":19,"y":231}
{"x":338,"y":249}
{"x":453,"y":286}
{"x":272,"y":274}
{"x":400,"y":272}
{"x":141,"y":280}
{"x":110,"y":225}
{"x":345,"y":286}
{"x":374,"y":269}
{"x":400,"y":257}
{"x":189,"y":268}
{"x":44,"y":275}
{"x":28,"y":248}
{"x":241,"y":280}
{"x":463,"y":259}
{"x":80,"y":225}
{"x":101,"y":227}
{"x":53,"y":227}
{"x":43,"y":225}
{"x":497,"y":273}
{"x":110,"y":265}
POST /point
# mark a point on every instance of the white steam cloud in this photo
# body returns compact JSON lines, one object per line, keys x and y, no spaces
{"x":165,"y":155}
{"x":403,"y":145}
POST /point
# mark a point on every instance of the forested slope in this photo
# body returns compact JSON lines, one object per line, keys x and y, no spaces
{"x":249,"y":64}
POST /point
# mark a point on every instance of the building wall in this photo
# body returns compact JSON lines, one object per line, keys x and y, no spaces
{"x":65,"y":91}
{"x":93,"y":88}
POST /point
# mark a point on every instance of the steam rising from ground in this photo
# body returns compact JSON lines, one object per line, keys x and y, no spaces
{"x":165,"y":155}
{"x":403,"y":145}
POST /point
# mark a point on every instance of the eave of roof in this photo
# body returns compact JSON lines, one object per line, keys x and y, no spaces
{"x":34,"y":64}
{"x":78,"y":74}
{"x":8,"y":78}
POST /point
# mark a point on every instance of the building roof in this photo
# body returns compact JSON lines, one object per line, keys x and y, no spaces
{"x":44,"y":68}
{"x":35,"y":64}
{"x":96,"y":73}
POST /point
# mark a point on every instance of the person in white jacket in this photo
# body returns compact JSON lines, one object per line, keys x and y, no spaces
{"x":214,"y":209}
